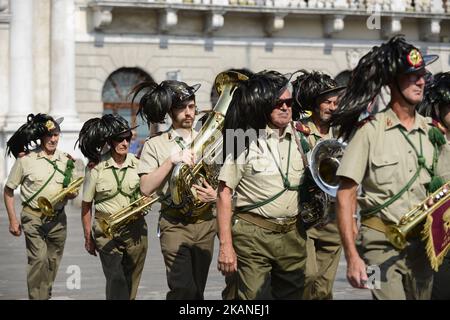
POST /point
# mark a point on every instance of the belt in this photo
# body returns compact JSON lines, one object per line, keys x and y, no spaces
{"x":38,"y":213}
{"x":183,"y":218}
{"x":376,"y":223}
{"x":35,"y":212}
{"x":101,"y":214}
{"x":280,"y":225}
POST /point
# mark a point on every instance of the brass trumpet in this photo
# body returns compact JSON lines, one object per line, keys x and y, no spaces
{"x":397,"y":234}
{"x":117,"y":221}
{"x":47,"y":206}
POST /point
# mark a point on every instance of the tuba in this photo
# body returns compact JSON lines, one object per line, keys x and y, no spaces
{"x":323,"y":161}
{"x":119,"y":220}
{"x":207,"y":147}
{"x":397,"y":234}
{"x":47,"y":206}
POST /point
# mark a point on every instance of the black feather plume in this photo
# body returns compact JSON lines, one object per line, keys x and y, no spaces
{"x":308,"y":87}
{"x":96,"y":132}
{"x":376,"y":69}
{"x":252,"y":103}
{"x":28,"y":133}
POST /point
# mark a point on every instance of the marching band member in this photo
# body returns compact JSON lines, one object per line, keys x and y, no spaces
{"x":187,"y":239}
{"x":40,"y":172}
{"x":436,"y":104}
{"x":112,"y":183}
{"x":317,"y":93}
{"x":393,"y":156}
{"x":261,"y":241}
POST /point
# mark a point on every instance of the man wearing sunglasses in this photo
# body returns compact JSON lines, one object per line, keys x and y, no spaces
{"x":317,"y":93}
{"x":395,"y":157}
{"x":111,"y":184}
{"x":259,"y":242}
{"x":186,"y":238}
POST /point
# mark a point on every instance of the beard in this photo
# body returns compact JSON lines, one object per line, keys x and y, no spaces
{"x":187,"y":123}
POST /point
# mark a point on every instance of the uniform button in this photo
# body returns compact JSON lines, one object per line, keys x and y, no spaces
{"x":410,"y":170}
{"x":410,"y":151}
{"x":412,"y":189}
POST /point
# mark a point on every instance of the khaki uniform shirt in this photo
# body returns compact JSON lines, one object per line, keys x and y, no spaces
{"x":100,"y":183}
{"x":158,"y":149}
{"x":380,"y":159}
{"x":315,"y":136}
{"x":254,"y":176}
{"x":32,"y":171}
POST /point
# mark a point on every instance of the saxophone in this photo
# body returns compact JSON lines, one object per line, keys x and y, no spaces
{"x":206,"y":147}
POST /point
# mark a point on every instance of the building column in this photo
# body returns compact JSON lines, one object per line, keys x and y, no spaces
{"x":62,"y":65}
{"x":21,"y":63}
{"x":62,"y":73}
{"x":20,"y":76}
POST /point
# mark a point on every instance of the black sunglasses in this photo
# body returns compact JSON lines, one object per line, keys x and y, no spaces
{"x":280,"y":102}
{"x":121,"y":138}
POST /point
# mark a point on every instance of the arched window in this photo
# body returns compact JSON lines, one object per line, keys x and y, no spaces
{"x":116,"y":97}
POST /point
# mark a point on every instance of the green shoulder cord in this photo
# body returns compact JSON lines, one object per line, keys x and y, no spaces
{"x":437,"y":139}
{"x":55,"y":167}
{"x":119,"y":187}
{"x":286,"y":183}
{"x":68,"y":173}
{"x":422,"y":165}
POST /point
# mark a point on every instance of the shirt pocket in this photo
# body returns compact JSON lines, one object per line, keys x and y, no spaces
{"x":103,"y":189}
{"x":130,"y":186}
{"x":385,"y":168}
{"x":34,"y":181}
{"x":296,"y":171}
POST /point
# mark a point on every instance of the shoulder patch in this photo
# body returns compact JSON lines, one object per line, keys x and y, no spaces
{"x":303,"y":128}
{"x":91,"y":165}
{"x":439,"y":125}
{"x":359,"y":124}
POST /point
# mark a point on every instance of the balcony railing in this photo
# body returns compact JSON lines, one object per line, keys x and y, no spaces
{"x":429,"y":13}
{"x":387,"y":6}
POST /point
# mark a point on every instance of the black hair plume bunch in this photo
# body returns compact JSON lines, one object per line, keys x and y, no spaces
{"x":376,"y":69}
{"x":30,"y":132}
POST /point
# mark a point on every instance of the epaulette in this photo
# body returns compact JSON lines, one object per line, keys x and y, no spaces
{"x":439,"y":125}
{"x":91,"y":165}
{"x":156,"y":134}
{"x":362,"y":122}
{"x":303,"y":128}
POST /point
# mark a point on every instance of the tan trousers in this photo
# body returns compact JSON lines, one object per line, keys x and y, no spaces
{"x":45,"y":246}
{"x":271,"y":265}
{"x":123,"y":259}
{"x":323,"y":248}
{"x":187,"y":249}
{"x":404,"y":275}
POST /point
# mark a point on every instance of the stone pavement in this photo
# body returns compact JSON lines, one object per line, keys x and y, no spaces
{"x":153,"y":282}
